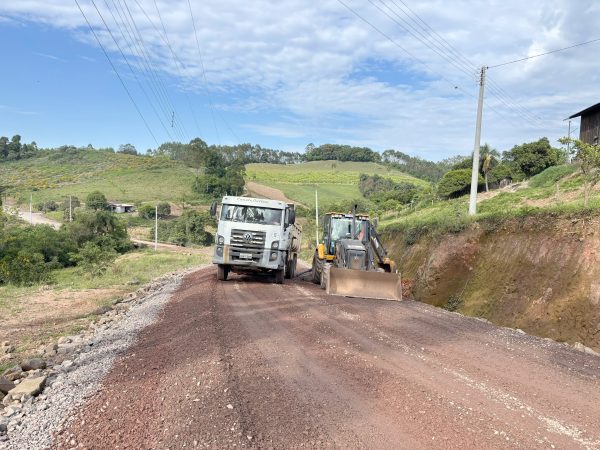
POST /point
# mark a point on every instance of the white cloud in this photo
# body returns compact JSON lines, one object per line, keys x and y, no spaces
{"x":301,"y":62}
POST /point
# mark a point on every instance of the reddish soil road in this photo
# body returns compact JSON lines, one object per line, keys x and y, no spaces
{"x":246,"y":363}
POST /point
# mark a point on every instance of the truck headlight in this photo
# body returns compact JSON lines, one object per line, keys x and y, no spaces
{"x":275,"y":244}
{"x":220,"y":239}
{"x":273,"y":256}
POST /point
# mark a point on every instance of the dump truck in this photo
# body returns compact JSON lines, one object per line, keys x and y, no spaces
{"x":352,"y":261}
{"x":256,"y":235}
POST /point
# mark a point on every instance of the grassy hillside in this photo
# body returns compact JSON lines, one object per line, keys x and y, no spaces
{"x":558,"y":189}
{"x":335,"y":180}
{"x":120,"y":177}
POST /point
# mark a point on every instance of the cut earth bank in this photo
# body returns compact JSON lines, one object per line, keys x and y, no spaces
{"x":538,"y":273}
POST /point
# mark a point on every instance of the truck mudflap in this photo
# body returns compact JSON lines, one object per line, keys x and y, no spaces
{"x":364,"y":284}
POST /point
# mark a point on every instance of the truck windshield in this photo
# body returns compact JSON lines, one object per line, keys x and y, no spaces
{"x":251,"y":214}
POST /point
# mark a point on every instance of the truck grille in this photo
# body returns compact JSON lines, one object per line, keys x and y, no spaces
{"x":236,"y":254}
{"x":248,"y":239}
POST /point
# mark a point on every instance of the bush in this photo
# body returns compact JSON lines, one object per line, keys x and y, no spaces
{"x":453,"y":303}
{"x":48,"y":206}
{"x":100,"y":227}
{"x":94,"y":259}
{"x":24,"y":269}
{"x":551,"y":175}
{"x":96,"y":201}
{"x":456,"y":183}
{"x":187,"y":229}
{"x":74,"y":201}
{"x":164,"y":210}
{"x":146,"y":211}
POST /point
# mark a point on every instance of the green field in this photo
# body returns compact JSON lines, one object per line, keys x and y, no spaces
{"x":323,"y":172}
{"x":120,"y":177}
{"x":328,"y":193}
{"x":335,"y":180}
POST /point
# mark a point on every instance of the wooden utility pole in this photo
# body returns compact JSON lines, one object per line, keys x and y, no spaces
{"x":477,"y":146}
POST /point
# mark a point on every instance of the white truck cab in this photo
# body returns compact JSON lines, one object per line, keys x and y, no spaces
{"x":256,"y":235}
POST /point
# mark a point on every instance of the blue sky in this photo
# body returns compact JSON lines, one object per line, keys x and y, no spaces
{"x":288,"y":73}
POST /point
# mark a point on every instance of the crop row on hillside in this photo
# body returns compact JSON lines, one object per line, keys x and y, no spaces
{"x":323,"y":172}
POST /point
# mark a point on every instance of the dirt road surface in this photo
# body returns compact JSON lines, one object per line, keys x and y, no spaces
{"x":268,"y":192}
{"x":246,"y":363}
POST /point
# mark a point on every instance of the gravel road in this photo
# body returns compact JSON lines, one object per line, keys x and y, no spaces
{"x":247,"y":363}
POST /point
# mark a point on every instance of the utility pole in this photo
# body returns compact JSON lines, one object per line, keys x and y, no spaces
{"x":70,"y":208}
{"x":31,"y":208}
{"x":317,"y":216}
{"x":156,"y":227}
{"x":172,"y":118}
{"x":569,"y":142}
{"x":477,"y":146}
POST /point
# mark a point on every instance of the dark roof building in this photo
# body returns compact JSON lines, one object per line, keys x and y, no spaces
{"x":589,"y":130}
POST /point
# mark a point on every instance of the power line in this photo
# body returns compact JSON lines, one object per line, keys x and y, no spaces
{"x":178,"y":63}
{"x":132,"y":44}
{"x":203,"y":71}
{"x":353,"y":11}
{"x":505,"y":118}
{"x":546,"y":53}
{"x":137,"y":48}
{"x":165,"y":92}
{"x":442,"y":48}
{"x":117,"y":73}
{"x":130,"y":67}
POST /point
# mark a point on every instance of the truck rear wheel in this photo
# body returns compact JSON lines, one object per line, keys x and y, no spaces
{"x":222,"y":272}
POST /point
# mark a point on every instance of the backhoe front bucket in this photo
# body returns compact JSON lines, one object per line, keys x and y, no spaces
{"x":363,"y":284}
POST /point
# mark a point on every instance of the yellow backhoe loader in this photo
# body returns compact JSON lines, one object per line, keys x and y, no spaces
{"x":351,"y":260}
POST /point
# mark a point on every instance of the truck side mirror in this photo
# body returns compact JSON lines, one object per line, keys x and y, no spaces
{"x":213,"y":209}
{"x":375,"y":223}
{"x":292,"y":217}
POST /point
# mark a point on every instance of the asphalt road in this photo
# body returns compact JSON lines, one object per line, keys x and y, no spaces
{"x":247,"y":363}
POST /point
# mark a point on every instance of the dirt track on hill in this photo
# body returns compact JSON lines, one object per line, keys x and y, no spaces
{"x":268,"y":192}
{"x":247,"y":363}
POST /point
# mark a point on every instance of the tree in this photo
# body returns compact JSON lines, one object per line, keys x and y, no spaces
{"x":456,"y":183}
{"x":196,"y":154}
{"x":128,"y":149}
{"x":588,"y":158}
{"x":531,"y":158}
{"x":489,"y":159}
{"x":100,"y":227}
{"x":96,"y":200}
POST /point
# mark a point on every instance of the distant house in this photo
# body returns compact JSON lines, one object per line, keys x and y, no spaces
{"x":589,"y":130}
{"x":120,"y":207}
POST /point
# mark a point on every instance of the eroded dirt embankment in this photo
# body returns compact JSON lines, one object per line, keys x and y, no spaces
{"x":540,"y":274}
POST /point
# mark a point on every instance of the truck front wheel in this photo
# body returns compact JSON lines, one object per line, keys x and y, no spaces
{"x":279,"y":276}
{"x":222,"y":272}
{"x":316,"y":273}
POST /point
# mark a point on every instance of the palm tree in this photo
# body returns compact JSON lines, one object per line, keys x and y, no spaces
{"x":487,"y":164}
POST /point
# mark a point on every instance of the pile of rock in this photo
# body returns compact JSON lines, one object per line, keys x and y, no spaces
{"x":34,"y":383}
{"x":6,"y":351}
